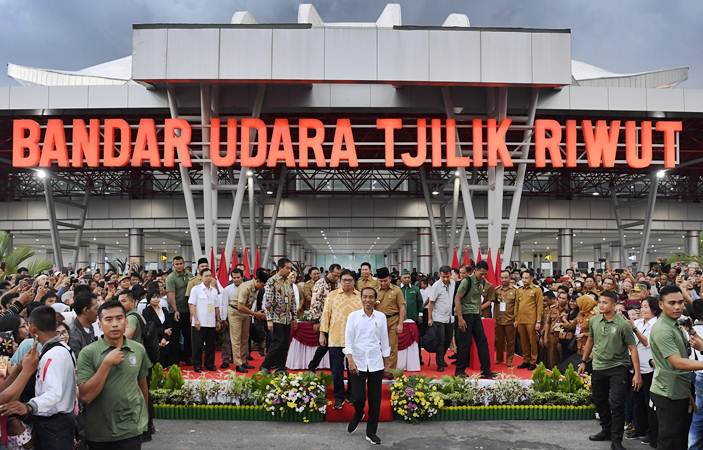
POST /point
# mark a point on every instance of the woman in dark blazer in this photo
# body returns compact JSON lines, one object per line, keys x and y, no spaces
{"x":163,"y":321}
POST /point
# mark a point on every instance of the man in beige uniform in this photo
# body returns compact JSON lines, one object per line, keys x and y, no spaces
{"x":504,"y":314}
{"x":240,"y":314}
{"x":366,"y":280}
{"x":528,"y":319}
{"x":391,"y":303}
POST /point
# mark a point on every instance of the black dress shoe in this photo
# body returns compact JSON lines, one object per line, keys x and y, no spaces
{"x":354,"y":424}
{"x":488,"y":375}
{"x":250,"y":358}
{"x":440,"y":369}
{"x":224,"y":365}
{"x":523,"y":365}
{"x":211,"y":368}
{"x":338,"y":404}
{"x":452,"y":356}
{"x":532,"y":367}
{"x":460,"y":374}
{"x":602,"y":435}
{"x":248,"y":366}
{"x":197,"y":369}
{"x":616,"y":445}
{"x":188,"y":362}
{"x":242,"y":369}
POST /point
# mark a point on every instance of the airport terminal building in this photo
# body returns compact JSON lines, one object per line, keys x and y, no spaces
{"x":347,"y":142}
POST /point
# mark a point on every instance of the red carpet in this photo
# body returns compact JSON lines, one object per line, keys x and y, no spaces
{"x":346,"y":413}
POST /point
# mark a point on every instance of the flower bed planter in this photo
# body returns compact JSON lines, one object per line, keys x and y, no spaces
{"x":515,"y":412}
{"x":228,"y":412}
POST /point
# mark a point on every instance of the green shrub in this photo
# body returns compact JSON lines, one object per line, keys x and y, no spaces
{"x":540,"y":381}
{"x":157,"y":377}
{"x":174,"y":379}
{"x":572,"y":382}
{"x":581,"y":397}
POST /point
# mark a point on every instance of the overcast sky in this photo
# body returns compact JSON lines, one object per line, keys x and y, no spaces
{"x":618,"y":35}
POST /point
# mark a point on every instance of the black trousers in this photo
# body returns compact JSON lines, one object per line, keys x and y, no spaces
{"x":645,"y":417}
{"x":444,"y":334}
{"x":474,"y":329}
{"x":608,"y":390}
{"x":337,"y":364}
{"x":317,"y":358}
{"x":361,"y":381}
{"x":55,"y":432}
{"x":278,"y":350}
{"x":182,"y":329}
{"x":205,"y":336}
{"x":134,"y":443}
{"x":674,"y":422}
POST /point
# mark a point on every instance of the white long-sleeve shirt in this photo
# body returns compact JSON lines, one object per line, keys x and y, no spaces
{"x":55,"y":385}
{"x":366,"y":339}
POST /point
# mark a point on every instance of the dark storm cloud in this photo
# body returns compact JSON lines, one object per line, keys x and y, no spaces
{"x":621,"y":36}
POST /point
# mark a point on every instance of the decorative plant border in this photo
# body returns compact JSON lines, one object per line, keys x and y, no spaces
{"x":515,"y":412}
{"x":228,"y":412}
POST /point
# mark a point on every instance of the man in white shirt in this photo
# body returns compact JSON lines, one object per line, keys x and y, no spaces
{"x":440,"y":312}
{"x":204,"y":305}
{"x":54,"y":389}
{"x":367,"y":349}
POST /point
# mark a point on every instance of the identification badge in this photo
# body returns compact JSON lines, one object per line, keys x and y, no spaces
{"x":210,"y":308}
{"x":503,"y":307}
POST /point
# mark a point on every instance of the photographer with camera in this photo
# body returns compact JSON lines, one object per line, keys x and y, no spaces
{"x":671,"y":386}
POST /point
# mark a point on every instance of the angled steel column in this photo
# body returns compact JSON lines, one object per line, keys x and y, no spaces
{"x":208,"y":190}
{"x":185,"y":184}
{"x":274,"y":216}
{"x":462,"y":234}
{"x":469,"y":216}
{"x":241,"y":184}
{"x":430,"y":215}
{"x":496,"y":182}
{"x":53,"y":227}
{"x":651,"y":201}
{"x":520,"y":179}
{"x":615,"y":260}
{"x":252,"y":216}
{"x":455,"y":212}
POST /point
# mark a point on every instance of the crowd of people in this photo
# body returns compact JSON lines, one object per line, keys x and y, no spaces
{"x":77,"y":350}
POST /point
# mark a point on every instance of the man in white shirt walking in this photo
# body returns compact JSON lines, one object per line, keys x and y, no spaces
{"x":367,"y":349}
{"x":440,"y":312}
{"x":54,"y":398}
{"x":204,"y":305}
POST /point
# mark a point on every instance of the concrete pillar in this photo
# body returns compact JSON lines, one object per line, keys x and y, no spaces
{"x":597,"y":254}
{"x":187,"y":253}
{"x":615,"y":255}
{"x":693,"y":238}
{"x":83,"y":255}
{"x":136,"y":246}
{"x":308,"y":257}
{"x":100,"y":258}
{"x":424,"y":251}
{"x":407,"y":262}
{"x":566,"y":250}
{"x":515,"y":254}
{"x":278,"y":249}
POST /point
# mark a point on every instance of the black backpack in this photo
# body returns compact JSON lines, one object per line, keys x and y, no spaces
{"x":150,"y":337}
{"x":29,"y":393}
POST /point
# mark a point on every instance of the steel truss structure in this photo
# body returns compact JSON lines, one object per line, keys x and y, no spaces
{"x":205,"y":183}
